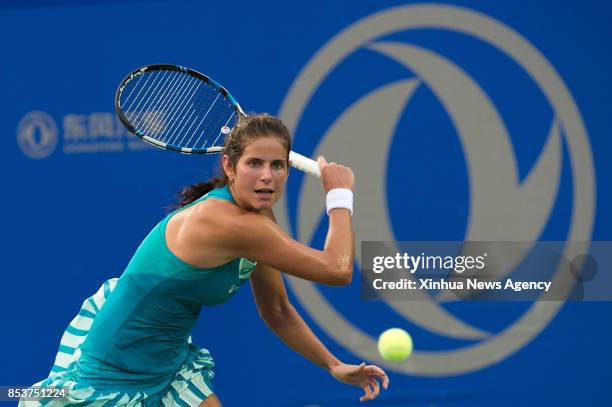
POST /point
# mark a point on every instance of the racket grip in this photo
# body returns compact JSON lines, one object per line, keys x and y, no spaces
{"x":304,"y":164}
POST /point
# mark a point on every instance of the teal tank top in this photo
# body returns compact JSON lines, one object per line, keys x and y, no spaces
{"x":139,"y":337}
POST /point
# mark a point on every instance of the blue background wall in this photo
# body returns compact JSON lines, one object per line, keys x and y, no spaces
{"x":72,"y":220}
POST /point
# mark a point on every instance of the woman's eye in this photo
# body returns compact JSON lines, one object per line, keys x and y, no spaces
{"x":254,"y":163}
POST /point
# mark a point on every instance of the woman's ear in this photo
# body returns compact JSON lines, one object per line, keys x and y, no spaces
{"x":227,"y":167}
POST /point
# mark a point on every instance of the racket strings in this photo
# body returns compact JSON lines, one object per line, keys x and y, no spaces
{"x":213,"y":111}
{"x":160,"y":117}
{"x":181,"y":112}
{"x":222,"y":132}
{"x":157,"y":119}
{"x":127,"y":98}
{"x":201,"y":121}
{"x":175,"y":104}
{"x":218,"y":113}
{"x":177,"y":109}
{"x":151,"y":97}
{"x":139,"y":89}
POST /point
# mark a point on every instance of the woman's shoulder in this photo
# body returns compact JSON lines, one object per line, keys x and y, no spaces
{"x":199,"y":234}
{"x":213,"y":208}
{"x":226,"y":220}
{"x":215,"y":218}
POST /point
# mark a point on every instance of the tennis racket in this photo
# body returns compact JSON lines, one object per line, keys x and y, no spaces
{"x":180,"y":109}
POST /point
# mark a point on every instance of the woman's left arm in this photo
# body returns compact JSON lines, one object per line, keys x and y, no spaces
{"x":282,"y":318}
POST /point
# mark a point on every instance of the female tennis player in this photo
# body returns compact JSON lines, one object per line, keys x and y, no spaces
{"x":131,"y":344}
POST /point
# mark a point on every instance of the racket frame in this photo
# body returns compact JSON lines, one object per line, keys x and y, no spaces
{"x":297,"y":160}
{"x":170,"y":67}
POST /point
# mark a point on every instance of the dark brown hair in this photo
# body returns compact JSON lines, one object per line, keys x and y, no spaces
{"x":247,"y":129}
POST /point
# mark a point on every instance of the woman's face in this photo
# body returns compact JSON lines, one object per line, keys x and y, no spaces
{"x":260,"y":175}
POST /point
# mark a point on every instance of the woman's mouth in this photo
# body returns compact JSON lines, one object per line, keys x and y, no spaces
{"x":264,"y":193}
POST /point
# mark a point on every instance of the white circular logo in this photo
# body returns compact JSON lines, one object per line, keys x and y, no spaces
{"x":502,"y":206}
{"x":37,"y":135}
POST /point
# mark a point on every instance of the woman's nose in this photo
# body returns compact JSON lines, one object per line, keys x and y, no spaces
{"x":266,"y":172}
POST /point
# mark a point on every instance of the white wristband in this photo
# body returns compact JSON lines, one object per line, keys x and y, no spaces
{"x":339,"y":198}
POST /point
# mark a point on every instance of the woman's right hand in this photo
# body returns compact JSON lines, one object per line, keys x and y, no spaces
{"x":335,"y":176}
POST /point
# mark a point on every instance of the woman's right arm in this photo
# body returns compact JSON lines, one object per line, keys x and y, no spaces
{"x":257,"y":237}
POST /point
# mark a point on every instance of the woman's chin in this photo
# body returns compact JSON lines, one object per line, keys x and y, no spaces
{"x":260,"y":204}
{"x":263,"y":206}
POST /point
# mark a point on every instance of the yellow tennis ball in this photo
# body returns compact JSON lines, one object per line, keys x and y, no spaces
{"x":395,"y":344}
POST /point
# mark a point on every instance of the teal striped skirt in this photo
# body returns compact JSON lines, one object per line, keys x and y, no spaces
{"x":189,"y":387}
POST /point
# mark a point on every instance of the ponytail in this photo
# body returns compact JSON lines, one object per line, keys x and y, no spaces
{"x":192,"y":192}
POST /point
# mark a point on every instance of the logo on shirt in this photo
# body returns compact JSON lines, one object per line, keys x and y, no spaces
{"x":245,"y":268}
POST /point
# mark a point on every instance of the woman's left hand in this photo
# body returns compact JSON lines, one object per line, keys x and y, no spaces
{"x":362,"y":376}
